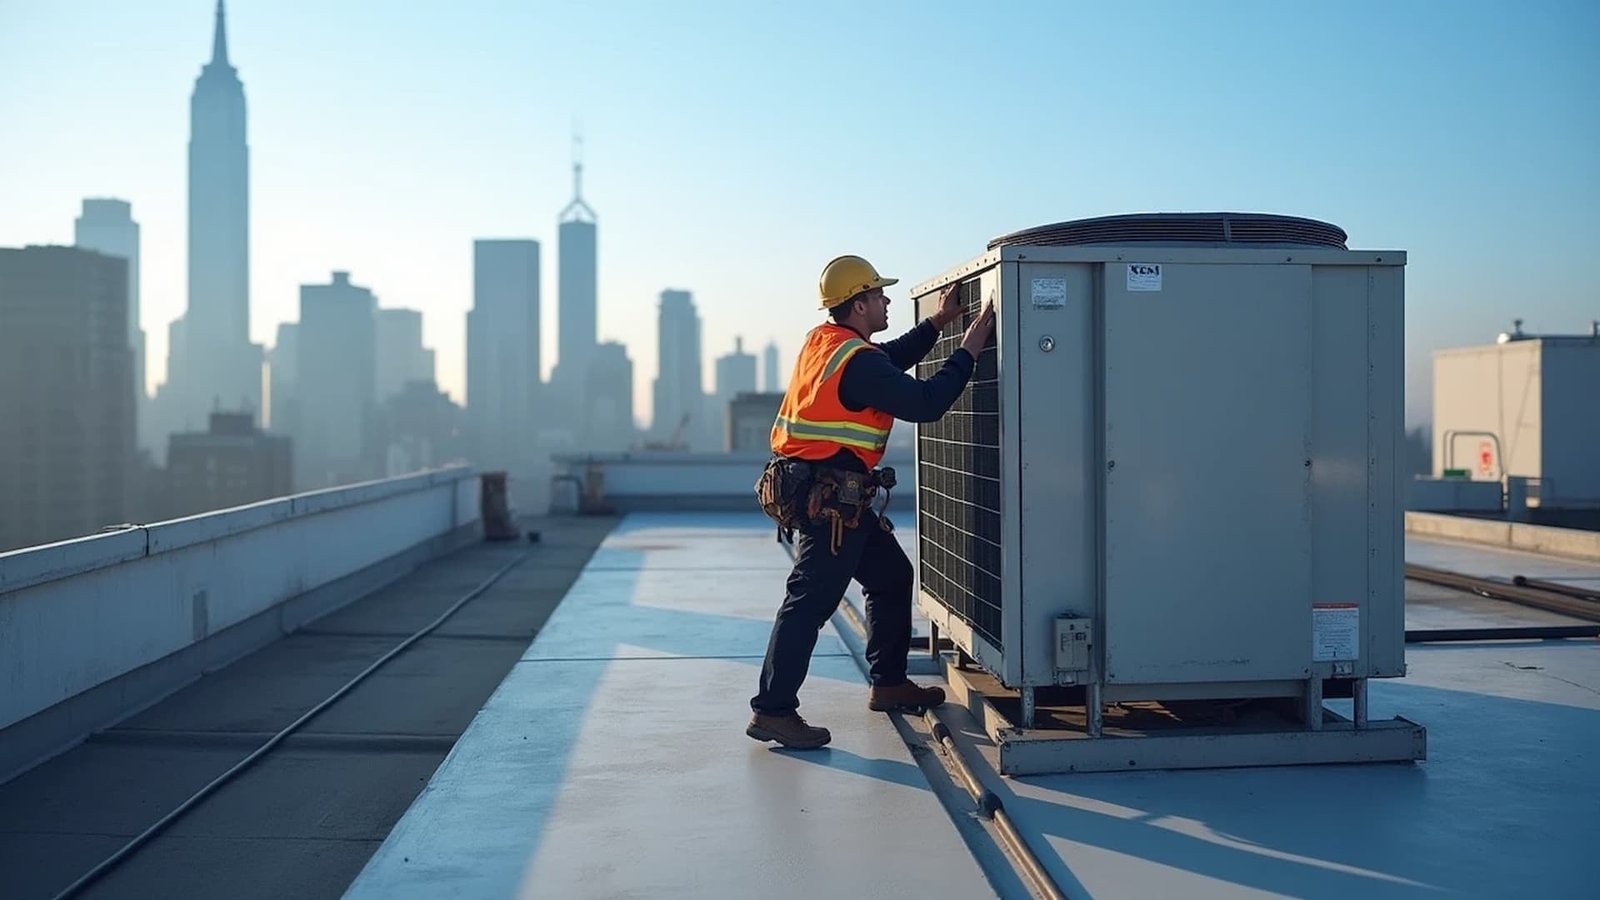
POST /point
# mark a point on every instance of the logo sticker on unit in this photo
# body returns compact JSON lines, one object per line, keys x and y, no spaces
{"x":1144,"y":276}
{"x":1049,"y":293}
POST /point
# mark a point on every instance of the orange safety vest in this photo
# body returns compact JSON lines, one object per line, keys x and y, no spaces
{"x":813,"y":423}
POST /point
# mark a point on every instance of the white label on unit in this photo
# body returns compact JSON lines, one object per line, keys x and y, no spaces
{"x":1335,"y":631}
{"x":1049,"y":293}
{"x":1144,"y":276}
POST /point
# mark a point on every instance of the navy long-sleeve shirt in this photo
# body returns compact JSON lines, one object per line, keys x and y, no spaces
{"x":879,"y":380}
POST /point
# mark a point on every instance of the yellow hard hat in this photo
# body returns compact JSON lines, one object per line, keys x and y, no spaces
{"x":846,"y":276}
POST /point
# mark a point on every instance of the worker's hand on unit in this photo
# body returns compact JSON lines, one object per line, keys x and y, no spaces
{"x":978,"y":332}
{"x":949,"y":306}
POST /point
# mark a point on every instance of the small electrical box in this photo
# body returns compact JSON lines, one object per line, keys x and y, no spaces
{"x":1074,"y":646}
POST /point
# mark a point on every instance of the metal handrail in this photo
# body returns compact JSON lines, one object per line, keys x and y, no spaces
{"x":1450,"y":448}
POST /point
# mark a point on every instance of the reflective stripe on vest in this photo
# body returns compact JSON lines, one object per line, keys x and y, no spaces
{"x":842,"y":354}
{"x":850,"y":434}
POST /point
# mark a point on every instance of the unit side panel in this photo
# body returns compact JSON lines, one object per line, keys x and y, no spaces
{"x":1000,"y":286}
{"x":1384,"y":618}
{"x":1208,"y":394}
{"x":1340,"y":469}
{"x":1524,"y":412}
{"x":1058,"y":465}
{"x":1570,"y":417}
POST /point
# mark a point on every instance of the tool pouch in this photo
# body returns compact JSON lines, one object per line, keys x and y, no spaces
{"x":782,"y":492}
{"x":838,"y":497}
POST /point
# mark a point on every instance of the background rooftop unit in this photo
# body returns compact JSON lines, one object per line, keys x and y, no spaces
{"x":1523,"y":407}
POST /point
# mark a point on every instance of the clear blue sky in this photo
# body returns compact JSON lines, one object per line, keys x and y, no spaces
{"x":732,"y":148}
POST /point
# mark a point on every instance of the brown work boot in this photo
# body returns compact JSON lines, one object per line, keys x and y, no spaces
{"x":904,"y":696}
{"x":790,"y":731}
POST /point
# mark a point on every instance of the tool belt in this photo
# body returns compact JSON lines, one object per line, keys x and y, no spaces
{"x":781,"y":492}
{"x":794,"y":493}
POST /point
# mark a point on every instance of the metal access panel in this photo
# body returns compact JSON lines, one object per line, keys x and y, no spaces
{"x":1057,"y":312}
{"x":1208,"y":450}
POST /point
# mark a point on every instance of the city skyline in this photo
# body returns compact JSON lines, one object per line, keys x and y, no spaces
{"x":1448,"y":137}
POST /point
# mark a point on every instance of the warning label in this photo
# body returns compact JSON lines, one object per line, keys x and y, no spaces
{"x":1049,"y":293}
{"x":1335,"y":632}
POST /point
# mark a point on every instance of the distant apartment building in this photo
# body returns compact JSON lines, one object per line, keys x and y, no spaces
{"x":503,"y":350}
{"x":231,"y":464}
{"x":401,"y":357}
{"x":608,"y":399}
{"x":750,"y":418}
{"x":422,"y":428}
{"x":336,"y":392}
{"x":679,"y":407}
{"x":771,"y":380}
{"x":106,"y":225}
{"x":736,"y":374}
{"x":282,"y":361}
{"x":67,"y":409}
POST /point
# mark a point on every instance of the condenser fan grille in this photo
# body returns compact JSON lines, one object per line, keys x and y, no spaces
{"x":1181,"y":228}
{"x":958,"y":485}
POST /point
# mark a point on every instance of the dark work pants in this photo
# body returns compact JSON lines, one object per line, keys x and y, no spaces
{"x":871,"y":556}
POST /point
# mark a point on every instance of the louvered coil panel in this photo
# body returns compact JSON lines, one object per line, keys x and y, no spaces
{"x":958,"y":485}
{"x":1181,"y":228}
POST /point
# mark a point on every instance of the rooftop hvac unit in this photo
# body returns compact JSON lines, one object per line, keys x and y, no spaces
{"x":1173,"y":475}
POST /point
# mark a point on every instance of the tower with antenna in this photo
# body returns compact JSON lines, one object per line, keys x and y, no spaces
{"x":577,"y":298}
{"x":210,"y":353}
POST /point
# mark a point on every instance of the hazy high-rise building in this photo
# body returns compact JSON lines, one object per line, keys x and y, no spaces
{"x":401,"y":356}
{"x":735,"y":374}
{"x":771,"y":378}
{"x":608,"y":399}
{"x":168,"y":407}
{"x":66,"y":410}
{"x":282,"y":362}
{"x":107,"y":225}
{"x":577,"y":292}
{"x":422,"y":429}
{"x":217,"y":365}
{"x":679,"y":386}
{"x":336,"y":396}
{"x":503,"y":349}
{"x":231,"y":463}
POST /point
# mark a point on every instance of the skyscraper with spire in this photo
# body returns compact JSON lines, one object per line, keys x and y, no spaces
{"x":577,"y":301}
{"x":214,"y":364}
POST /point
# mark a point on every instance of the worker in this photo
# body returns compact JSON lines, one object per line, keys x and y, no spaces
{"x":830,"y":433}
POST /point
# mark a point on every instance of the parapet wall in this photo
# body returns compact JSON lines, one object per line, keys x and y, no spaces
{"x":94,"y":628}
